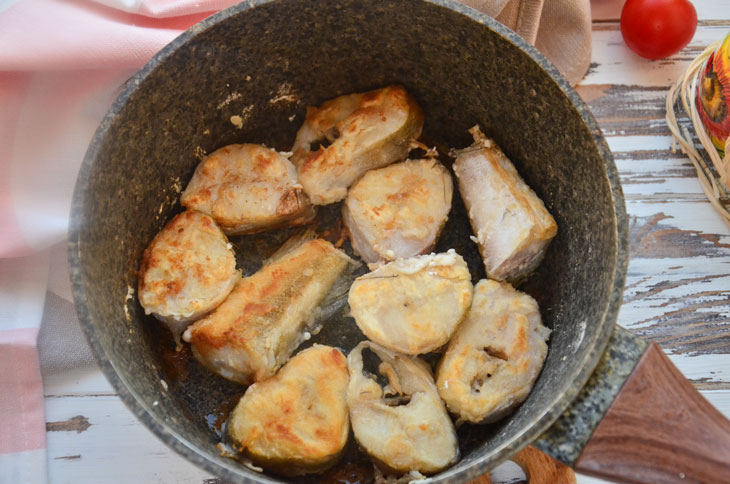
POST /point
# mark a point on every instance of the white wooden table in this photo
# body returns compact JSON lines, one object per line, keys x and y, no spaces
{"x":677,"y":292}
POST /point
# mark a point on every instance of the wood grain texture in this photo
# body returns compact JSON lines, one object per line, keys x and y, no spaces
{"x":614,"y":63}
{"x":77,"y":424}
{"x":540,"y":468}
{"x":659,"y":430}
{"x":678,"y":282}
{"x":116,"y":448}
{"x":610,"y":10}
{"x":683,"y":304}
{"x":678,"y":286}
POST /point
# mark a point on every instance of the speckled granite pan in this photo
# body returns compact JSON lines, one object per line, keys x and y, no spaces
{"x":246,"y":75}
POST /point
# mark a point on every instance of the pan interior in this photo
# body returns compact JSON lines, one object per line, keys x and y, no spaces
{"x":264,"y":64}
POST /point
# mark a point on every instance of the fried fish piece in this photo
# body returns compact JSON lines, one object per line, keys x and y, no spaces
{"x":495,"y":355}
{"x":248,"y":188}
{"x":413,"y":305}
{"x":296,"y":422}
{"x":187,"y":270}
{"x":512,"y":225}
{"x":398,"y":211}
{"x":403,"y":426}
{"x":256,"y":329}
{"x":351,"y":134}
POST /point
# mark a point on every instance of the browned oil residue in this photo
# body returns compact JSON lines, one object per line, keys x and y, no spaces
{"x":349,"y":472}
{"x":217,"y":418}
{"x":175,"y":362}
{"x":334,"y":234}
{"x":354,"y":467}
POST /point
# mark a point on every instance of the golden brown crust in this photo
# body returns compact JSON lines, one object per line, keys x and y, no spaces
{"x":187,"y":269}
{"x":291,"y":202}
{"x":398,"y":211}
{"x":255,"y":330}
{"x":297,"y":421}
{"x":248,"y":188}
{"x":495,"y":355}
{"x":366,"y":131}
{"x":413,"y":305}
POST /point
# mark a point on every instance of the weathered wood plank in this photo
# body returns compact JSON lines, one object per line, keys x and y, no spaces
{"x":610,"y":10}
{"x":671,"y":178}
{"x":678,"y":284}
{"x":706,"y":372}
{"x":614,"y":63}
{"x":83,"y":381}
{"x":692,"y":215}
{"x":684,"y":315}
{"x":657,"y":234}
{"x":720,"y":399}
{"x":639,"y":146}
{"x":117,"y":448}
{"x":114,"y":448}
{"x":627,"y":109}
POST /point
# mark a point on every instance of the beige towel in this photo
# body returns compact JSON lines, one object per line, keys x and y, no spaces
{"x":560,"y":29}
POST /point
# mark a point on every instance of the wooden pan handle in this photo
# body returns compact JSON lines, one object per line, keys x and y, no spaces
{"x":659,"y":429}
{"x":539,"y":468}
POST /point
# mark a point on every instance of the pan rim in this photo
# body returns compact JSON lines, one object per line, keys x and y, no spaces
{"x":481,"y":464}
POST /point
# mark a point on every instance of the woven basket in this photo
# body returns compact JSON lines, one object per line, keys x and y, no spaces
{"x":683,"y":119}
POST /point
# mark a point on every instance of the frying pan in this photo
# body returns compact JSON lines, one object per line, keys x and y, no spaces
{"x":264,"y":61}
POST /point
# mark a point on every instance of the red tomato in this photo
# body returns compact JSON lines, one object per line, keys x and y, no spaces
{"x":655,"y":29}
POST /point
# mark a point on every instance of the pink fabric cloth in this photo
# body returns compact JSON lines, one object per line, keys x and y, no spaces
{"x":23,"y":283}
{"x":62,"y":63}
{"x":47,"y":35}
{"x":21,"y":384}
